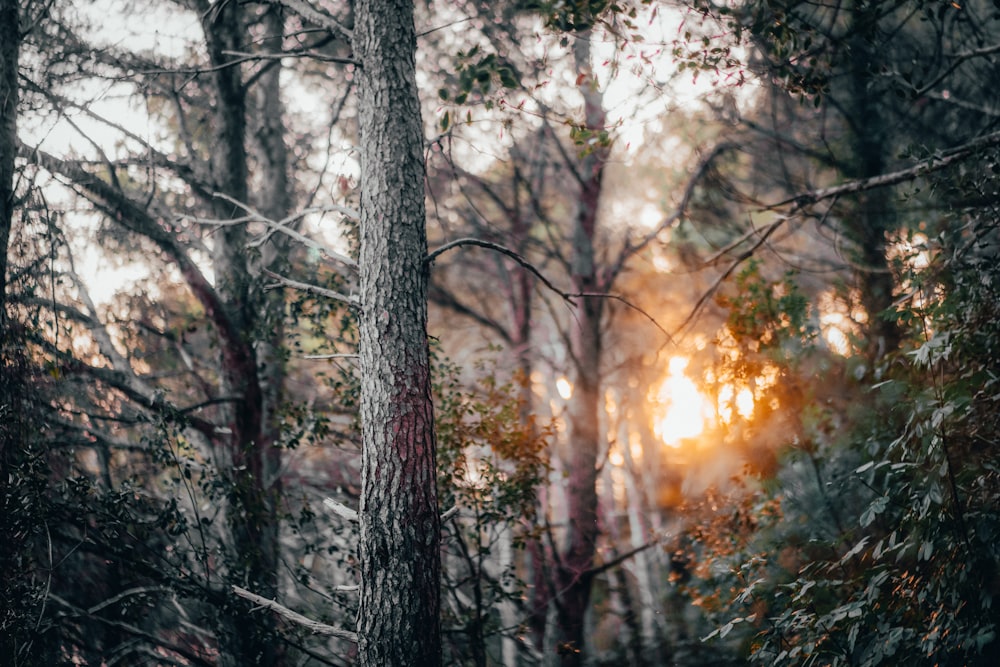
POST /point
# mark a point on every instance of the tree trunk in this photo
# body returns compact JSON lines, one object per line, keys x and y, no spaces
{"x":16,"y":586}
{"x":10,"y":38}
{"x":398,"y":618}
{"x":875,"y":213}
{"x":246,"y":456}
{"x":583,"y":408}
{"x":274,"y":200}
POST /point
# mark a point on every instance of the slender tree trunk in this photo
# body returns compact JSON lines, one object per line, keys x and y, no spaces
{"x":246,"y":456}
{"x":875,"y":214}
{"x":10,"y":38}
{"x":15,"y":587}
{"x":274,"y":199}
{"x":583,"y":408}
{"x":398,"y":618}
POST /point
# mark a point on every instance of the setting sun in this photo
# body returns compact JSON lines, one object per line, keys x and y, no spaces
{"x":680,"y":408}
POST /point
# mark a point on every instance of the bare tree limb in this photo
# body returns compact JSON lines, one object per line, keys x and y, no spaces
{"x":312,"y":289}
{"x":745,"y":255}
{"x":629,"y":304}
{"x":631,"y":249}
{"x":496,"y":247}
{"x":192,"y":174}
{"x":313,"y":626}
{"x":929,"y":165}
{"x":136,"y":219}
{"x":284,"y":225}
{"x":615,"y":562}
{"x":303,"y":53}
{"x":446,"y":299}
{"x":187,"y":654}
{"x":340,"y":509}
{"x":799,"y":201}
{"x":313,"y":357}
{"x":320,"y":18}
{"x":959,"y":59}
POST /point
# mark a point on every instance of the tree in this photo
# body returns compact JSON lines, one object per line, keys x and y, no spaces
{"x":854,"y":90}
{"x":14,"y":455}
{"x":208,"y":404}
{"x":399,"y":614}
{"x":11,"y":35}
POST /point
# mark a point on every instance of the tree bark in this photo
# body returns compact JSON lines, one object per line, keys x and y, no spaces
{"x":583,"y":408}
{"x":247,"y":456}
{"x":875,"y":214}
{"x":398,"y":618}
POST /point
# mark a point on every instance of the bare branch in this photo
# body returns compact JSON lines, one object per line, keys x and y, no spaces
{"x":304,"y":53}
{"x":928,"y":166}
{"x":314,"y":626}
{"x":192,"y":657}
{"x":615,"y":562}
{"x":320,"y":18}
{"x":136,"y":219}
{"x":313,"y":357}
{"x":284,"y":225}
{"x":631,"y":249}
{"x":496,"y":247}
{"x":621,"y":299}
{"x":745,"y":255}
{"x":191,"y":174}
{"x":138,"y":590}
{"x":340,"y":509}
{"x":446,"y":299}
{"x":312,"y":289}
{"x":959,"y":59}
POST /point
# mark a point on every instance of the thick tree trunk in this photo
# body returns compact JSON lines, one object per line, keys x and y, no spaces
{"x":584,"y":407}
{"x":398,"y":618}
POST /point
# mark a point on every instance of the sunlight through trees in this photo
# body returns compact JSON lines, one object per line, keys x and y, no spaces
{"x":520,"y":333}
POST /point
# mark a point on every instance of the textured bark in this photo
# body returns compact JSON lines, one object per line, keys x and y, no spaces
{"x":398,"y":618}
{"x":583,"y":408}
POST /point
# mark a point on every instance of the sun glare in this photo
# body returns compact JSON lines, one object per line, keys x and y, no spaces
{"x":680,"y":406}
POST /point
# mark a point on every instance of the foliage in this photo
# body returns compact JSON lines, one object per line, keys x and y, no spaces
{"x":24,"y":505}
{"x":891,"y":557}
{"x":491,"y":461}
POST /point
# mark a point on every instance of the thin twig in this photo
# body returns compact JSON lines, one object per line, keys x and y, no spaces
{"x":745,"y":255}
{"x":617,"y":297}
